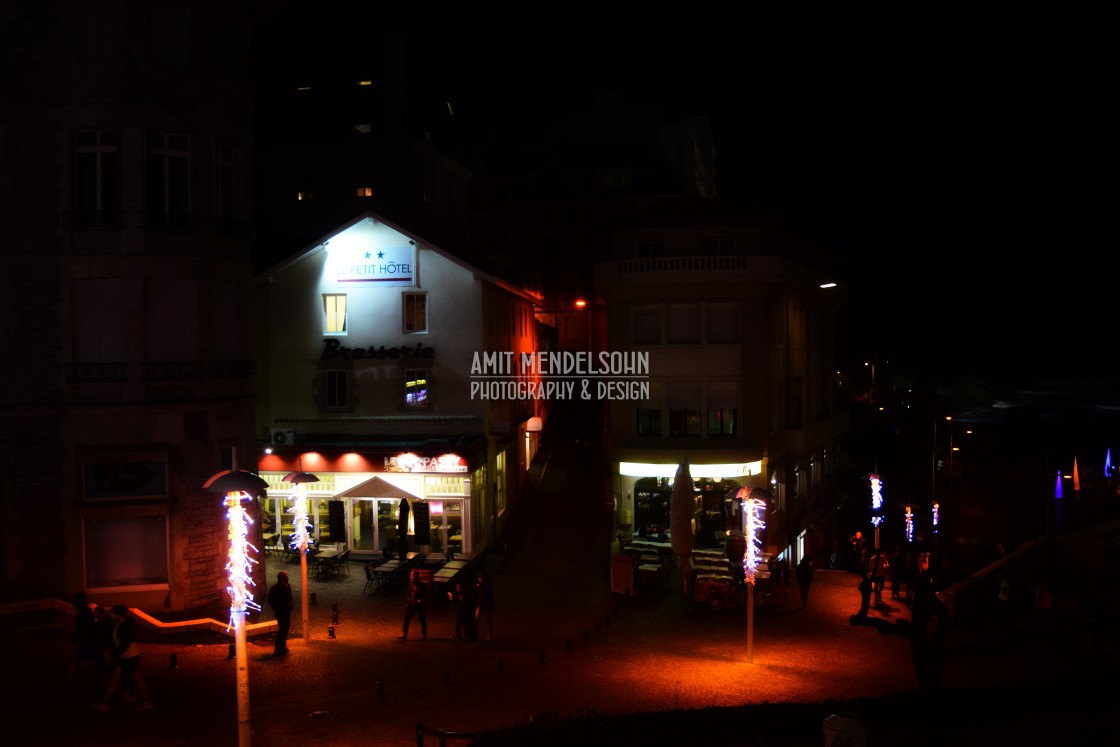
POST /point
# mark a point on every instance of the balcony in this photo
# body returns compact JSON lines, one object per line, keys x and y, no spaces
{"x":234,"y":369}
{"x":172,"y":371}
{"x":95,"y":372}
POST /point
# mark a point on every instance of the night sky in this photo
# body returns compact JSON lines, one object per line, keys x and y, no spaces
{"x":962,"y":162}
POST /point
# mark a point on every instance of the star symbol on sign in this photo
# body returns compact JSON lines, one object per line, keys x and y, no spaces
{"x":381,"y":255}
{"x":367,"y":255}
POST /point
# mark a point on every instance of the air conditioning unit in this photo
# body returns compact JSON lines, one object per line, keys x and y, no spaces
{"x":282,"y":436}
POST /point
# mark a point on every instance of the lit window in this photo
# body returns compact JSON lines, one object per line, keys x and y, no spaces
{"x":721,"y":421}
{"x":365,"y":82}
{"x":304,"y":196}
{"x":684,"y":410}
{"x":415,"y":387}
{"x":723,"y":413}
{"x":334,"y":313}
{"x":364,"y":191}
{"x":415,"y":312}
{"x":303,"y":88}
{"x":362,"y":129}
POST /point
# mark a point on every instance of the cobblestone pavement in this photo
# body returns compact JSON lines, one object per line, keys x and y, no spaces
{"x":564,"y":645}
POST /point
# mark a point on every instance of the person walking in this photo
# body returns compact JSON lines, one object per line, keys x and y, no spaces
{"x":877,"y":568}
{"x":485,"y":611}
{"x":86,"y":641}
{"x":464,"y":596}
{"x":416,"y":604}
{"x":280,"y":600}
{"x":804,"y":574}
{"x":126,"y":661}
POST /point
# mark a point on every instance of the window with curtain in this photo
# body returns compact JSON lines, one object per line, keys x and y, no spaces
{"x":334,"y":313}
{"x":415,"y":307}
{"x":646,"y":325}
{"x":684,"y":409}
{"x":97,"y":181}
{"x":723,"y":413}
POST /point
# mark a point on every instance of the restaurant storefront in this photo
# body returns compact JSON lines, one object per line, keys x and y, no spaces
{"x":356,"y":502}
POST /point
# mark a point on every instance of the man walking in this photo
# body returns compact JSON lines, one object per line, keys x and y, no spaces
{"x":280,"y":600}
{"x":804,"y":574}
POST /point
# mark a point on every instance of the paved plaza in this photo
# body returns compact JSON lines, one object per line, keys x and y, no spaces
{"x":564,"y":646}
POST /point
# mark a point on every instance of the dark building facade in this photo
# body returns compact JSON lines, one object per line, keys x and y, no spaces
{"x":124,"y":213}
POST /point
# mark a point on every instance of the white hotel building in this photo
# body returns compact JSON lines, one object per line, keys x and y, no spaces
{"x":367,"y":340}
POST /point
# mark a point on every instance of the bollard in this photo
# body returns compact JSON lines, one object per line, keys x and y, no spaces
{"x":173,"y":661}
{"x":541,"y":656}
{"x":447,"y":676}
{"x":381,"y":691}
{"x":334,"y":612}
{"x":501,"y":666}
{"x":232,"y":652}
{"x":314,"y":600}
{"x":330,"y":631}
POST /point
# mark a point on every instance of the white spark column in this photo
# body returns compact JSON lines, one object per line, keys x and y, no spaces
{"x":301,"y":539}
{"x":239,"y":567}
{"x":752,"y":510}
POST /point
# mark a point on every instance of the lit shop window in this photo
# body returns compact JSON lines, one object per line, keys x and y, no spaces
{"x":415,"y":387}
{"x":415,"y":312}
{"x":334,"y":313}
{"x":363,"y":192}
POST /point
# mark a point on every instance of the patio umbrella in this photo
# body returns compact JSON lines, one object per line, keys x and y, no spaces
{"x":1058,"y":486}
{"x":1076,"y":477}
{"x":1108,"y":463}
{"x":682,"y":508}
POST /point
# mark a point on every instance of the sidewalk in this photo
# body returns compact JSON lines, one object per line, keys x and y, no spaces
{"x":564,"y":647}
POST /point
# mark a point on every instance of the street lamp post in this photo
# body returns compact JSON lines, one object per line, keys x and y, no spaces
{"x":238,"y":485}
{"x":301,"y":539}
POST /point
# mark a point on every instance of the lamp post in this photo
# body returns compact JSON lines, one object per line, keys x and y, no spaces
{"x":301,"y":539}
{"x":751,"y":510}
{"x":238,"y":486}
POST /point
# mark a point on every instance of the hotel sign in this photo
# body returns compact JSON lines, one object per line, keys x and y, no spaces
{"x":366,"y":262}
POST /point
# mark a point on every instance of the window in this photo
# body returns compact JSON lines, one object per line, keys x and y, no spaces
{"x":334,"y":313}
{"x":125,"y":552}
{"x":225,"y":201}
{"x":723,"y":413}
{"x":363,"y":192}
{"x":416,"y":387}
{"x":99,"y":320}
{"x":97,"y":198}
{"x":649,"y":249}
{"x":684,"y":409}
{"x":718,"y":247}
{"x":168,"y":181}
{"x":649,"y":422}
{"x":171,"y":320}
{"x":683,"y":323}
{"x":336,"y":390}
{"x":722,"y":323}
{"x":304,"y":196}
{"x":646,"y":325}
{"x":415,"y":312}
{"x":362,"y":129}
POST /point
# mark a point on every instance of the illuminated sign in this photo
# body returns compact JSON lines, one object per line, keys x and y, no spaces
{"x":712,"y":471}
{"x":409,"y":462}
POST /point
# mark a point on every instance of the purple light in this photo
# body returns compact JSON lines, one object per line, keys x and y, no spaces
{"x":1058,"y":486}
